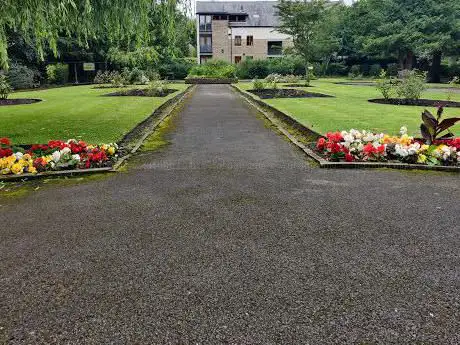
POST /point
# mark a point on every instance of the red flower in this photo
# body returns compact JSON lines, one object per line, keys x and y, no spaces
{"x":349,"y":157}
{"x":5,"y":152}
{"x":40,"y":164}
{"x":5,"y":141}
{"x":320,"y":145}
{"x":337,"y":136}
{"x":369,"y":149}
{"x":57,"y":144}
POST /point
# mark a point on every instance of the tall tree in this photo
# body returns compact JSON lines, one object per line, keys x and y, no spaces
{"x":302,"y":21}
{"x":43,"y":21}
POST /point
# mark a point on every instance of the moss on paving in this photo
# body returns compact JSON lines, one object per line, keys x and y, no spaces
{"x":80,"y":112}
{"x":350,"y":109}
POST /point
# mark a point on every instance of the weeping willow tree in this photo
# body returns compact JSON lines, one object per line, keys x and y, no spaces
{"x":44,"y":21}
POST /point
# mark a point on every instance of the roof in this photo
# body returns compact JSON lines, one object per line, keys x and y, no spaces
{"x":260,"y":13}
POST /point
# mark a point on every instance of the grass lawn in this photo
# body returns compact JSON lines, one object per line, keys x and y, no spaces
{"x":350,"y":109}
{"x":78,"y":112}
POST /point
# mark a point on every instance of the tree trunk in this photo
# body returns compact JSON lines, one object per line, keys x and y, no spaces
{"x":435,"y":69}
{"x":409,"y":60}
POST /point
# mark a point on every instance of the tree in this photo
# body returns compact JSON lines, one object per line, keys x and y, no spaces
{"x":302,"y":20}
{"x":44,"y":21}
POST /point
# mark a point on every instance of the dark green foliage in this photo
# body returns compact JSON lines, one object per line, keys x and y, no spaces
{"x":5,"y":88}
{"x":375,"y":70}
{"x":21,"y":77}
{"x":57,"y":73}
{"x":176,"y":68}
{"x":433,"y":126}
{"x":250,"y":69}
{"x":215,"y":69}
{"x":355,"y":72}
{"x":392,"y":69}
{"x":336,"y":69}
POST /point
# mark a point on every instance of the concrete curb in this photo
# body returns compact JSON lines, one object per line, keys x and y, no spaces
{"x":261,"y":106}
{"x":166,"y":109}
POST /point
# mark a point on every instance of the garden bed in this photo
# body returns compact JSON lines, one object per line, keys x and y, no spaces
{"x":285,"y":93}
{"x":416,"y":102}
{"x":99,"y":87}
{"x":141,"y":93}
{"x":18,"y":101}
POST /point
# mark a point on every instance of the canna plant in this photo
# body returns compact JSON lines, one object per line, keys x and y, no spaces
{"x":433,"y":126}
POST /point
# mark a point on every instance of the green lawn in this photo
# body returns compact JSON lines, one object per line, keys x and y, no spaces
{"x":79,"y":112}
{"x":350,"y":109}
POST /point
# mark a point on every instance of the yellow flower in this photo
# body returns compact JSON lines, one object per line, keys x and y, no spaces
{"x":5,"y":171}
{"x":424,"y":147}
{"x":421,"y":159}
{"x":32,"y":169}
{"x":111,"y":150}
{"x":27,"y":157}
{"x":17,"y":168}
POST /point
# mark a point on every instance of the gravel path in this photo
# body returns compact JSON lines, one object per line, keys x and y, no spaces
{"x":229,"y":236}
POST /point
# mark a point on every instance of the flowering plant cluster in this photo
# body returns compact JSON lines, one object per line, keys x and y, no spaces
{"x":366,"y":146}
{"x":56,"y":155}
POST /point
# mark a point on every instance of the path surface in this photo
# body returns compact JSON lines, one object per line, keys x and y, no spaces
{"x":228,"y":236}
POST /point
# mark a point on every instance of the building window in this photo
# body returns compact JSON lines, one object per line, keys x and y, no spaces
{"x":237,"y":40}
{"x":275,"y":48}
{"x":206,"y":43}
{"x":249,"y":40}
{"x":237,"y":18}
{"x":205,"y":23}
{"x":220,"y":17}
{"x":237,"y":59}
{"x":205,"y":58}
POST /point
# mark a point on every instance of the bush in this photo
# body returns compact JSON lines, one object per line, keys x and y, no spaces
{"x":250,"y":69}
{"x":5,"y":88}
{"x":104,"y":77}
{"x":57,"y":73}
{"x":273,"y":79}
{"x":21,"y":77}
{"x":336,"y":69}
{"x":156,"y":88}
{"x":392,"y":69}
{"x":136,"y":76}
{"x":214,"y":69}
{"x":118,"y":80}
{"x":292,"y":79}
{"x":258,"y":84}
{"x":375,"y":70}
{"x":455,"y":80}
{"x":412,"y":85}
{"x":355,"y":72}
{"x":386,"y":85}
{"x":176,"y":69}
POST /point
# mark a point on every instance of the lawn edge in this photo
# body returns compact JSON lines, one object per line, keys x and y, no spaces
{"x":164,"y":110}
{"x":261,"y":106}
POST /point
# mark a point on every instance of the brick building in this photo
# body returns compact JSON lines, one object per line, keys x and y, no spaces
{"x":237,"y":30}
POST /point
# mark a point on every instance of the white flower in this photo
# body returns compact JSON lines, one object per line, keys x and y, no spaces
{"x":403,"y":130}
{"x":56,"y":156}
{"x":348,"y":138}
{"x":76,"y":158}
{"x":65,"y":150}
{"x":18,"y":155}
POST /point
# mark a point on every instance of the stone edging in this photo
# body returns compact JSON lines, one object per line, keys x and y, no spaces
{"x":161,"y":109}
{"x":211,"y":80}
{"x":261,"y":106}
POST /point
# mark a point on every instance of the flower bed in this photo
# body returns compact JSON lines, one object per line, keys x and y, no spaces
{"x":363,"y":146}
{"x":54,"y":156}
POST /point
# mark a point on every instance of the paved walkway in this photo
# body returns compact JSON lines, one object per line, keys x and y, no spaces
{"x":229,"y":236}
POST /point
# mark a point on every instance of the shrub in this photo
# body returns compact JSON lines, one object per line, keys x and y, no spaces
{"x":455,"y":80}
{"x":412,"y":85}
{"x":156,"y":88}
{"x":118,"y":80}
{"x":386,"y":85}
{"x":250,"y":69}
{"x":432,"y":127}
{"x":292,"y":79}
{"x":104,"y":77}
{"x":273,"y":79}
{"x":21,"y":77}
{"x":5,"y":88}
{"x":392,"y":69}
{"x":176,"y":69}
{"x":57,"y":73}
{"x":214,"y":69}
{"x":375,"y":70}
{"x":258,"y":84}
{"x":355,"y":72}
{"x":136,"y":76}
{"x":336,"y":69}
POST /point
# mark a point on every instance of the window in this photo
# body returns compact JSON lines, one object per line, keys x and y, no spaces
{"x":237,"y":59}
{"x":249,"y":40}
{"x":205,"y":43}
{"x":275,"y":48}
{"x":220,"y":17}
{"x":205,"y":58}
{"x":237,"y":40}
{"x":236,"y":18}
{"x":205,"y":23}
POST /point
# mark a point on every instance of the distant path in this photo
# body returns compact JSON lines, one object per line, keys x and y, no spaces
{"x":228,"y":236}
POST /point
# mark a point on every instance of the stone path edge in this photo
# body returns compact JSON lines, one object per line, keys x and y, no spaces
{"x":165,"y":110}
{"x":261,"y":106}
